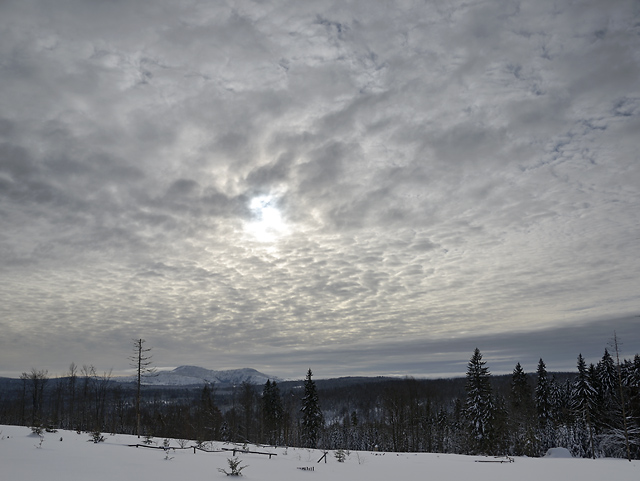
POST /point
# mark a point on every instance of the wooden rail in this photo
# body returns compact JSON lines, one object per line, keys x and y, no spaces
{"x":246,"y":451}
{"x":196,"y":448}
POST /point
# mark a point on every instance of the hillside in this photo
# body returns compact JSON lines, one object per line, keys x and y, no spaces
{"x":73,"y":458}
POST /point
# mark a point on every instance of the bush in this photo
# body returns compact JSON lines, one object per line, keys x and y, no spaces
{"x":234,"y":466}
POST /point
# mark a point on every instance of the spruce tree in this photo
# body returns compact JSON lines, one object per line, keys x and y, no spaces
{"x":312,"y":419}
{"x":479,"y":409}
{"x":272,"y":411}
{"x":608,"y":375}
{"x":521,"y":413}
{"x":608,"y":405}
{"x":583,"y":400}
{"x":543,"y":395}
{"x":520,"y":389}
{"x":543,"y":405}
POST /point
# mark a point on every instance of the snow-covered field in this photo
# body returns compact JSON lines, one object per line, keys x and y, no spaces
{"x":69,"y":456}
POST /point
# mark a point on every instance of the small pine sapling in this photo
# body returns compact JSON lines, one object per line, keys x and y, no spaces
{"x":340,"y":455}
{"x":234,"y":466}
{"x":96,"y":437}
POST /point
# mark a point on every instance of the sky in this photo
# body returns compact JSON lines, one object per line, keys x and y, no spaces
{"x":359,"y":188}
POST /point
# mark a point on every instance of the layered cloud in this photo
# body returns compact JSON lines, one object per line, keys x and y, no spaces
{"x":265,"y":180}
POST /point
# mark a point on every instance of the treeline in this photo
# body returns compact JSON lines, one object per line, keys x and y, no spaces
{"x":593,"y":412}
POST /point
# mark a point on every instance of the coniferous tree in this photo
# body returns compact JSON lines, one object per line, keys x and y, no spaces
{"x":543,"y":405}
{"x":608,"y":376}
{"x":521,"y":413}
{"x":583,"y":400}
{"x":207,"y":415}
{"x":543,"y":395}
{"x":520,"y":389}
{"x":479,"y":408}
{"x":247,"y":404}
{"x":272,"y":412}
{"x":312,"y":419}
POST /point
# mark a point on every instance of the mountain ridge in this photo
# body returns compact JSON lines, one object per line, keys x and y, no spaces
{"x":194,"y":375}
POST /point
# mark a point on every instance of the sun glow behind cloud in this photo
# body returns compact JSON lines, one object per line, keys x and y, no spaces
{"x":267,"y":224}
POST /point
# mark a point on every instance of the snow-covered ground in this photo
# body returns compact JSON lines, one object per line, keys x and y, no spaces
{"x":69,"y":456}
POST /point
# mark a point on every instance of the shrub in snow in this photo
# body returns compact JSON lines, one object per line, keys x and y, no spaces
{"x":183,"y":443}
{"x":340,"y":455}
{"x":97,"y":437}
{"x":234,"y":467}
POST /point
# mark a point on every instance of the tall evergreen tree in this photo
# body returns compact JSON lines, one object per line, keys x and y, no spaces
{"x":521,"y":413}
{"x":312,"y":419}
{"x":544,"y":408}
{"x":272,"y":412}
{"x":608,"y":375}
{"x":520,"y":389}
{"x":543,"y":395}
{"x":478,"y":408}
{"x":207,"y":415}
{"x":583,"y":399}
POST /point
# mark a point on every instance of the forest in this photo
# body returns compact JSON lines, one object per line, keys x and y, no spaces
{"x":593,"y":412}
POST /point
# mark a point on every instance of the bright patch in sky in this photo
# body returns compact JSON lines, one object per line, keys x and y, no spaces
{"x":266,"y":224}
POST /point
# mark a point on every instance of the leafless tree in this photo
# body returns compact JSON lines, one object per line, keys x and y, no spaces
{"x":141,"y":362}
{"x":38,"y":381}
{"x":624,"y":414}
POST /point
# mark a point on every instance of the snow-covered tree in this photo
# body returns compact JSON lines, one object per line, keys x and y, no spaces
{"x":312,"y":419}
{"x":583,"y":400}
{"x":543,"y":395}
{"x":479,"y":408}
{"x":544,"y":406}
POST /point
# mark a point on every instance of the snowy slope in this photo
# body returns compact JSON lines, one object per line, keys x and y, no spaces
{"x":190,"y":375}
{"x":70,"y":456}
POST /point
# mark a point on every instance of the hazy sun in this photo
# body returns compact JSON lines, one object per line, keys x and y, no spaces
{"x":266,"y":224}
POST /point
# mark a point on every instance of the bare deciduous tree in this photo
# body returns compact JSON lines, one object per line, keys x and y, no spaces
{"x":141,"y":362}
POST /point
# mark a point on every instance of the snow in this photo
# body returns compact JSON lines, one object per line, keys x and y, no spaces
{"x":558,"y":453}
{"x":75,"y":458}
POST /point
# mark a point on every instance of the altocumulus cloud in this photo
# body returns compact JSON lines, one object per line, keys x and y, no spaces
{"x":366,"y":187}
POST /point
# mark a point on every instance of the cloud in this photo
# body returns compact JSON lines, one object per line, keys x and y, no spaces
{"x":440,"y":171}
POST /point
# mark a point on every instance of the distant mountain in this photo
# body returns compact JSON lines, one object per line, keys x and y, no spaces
{"x":193,"y":375}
